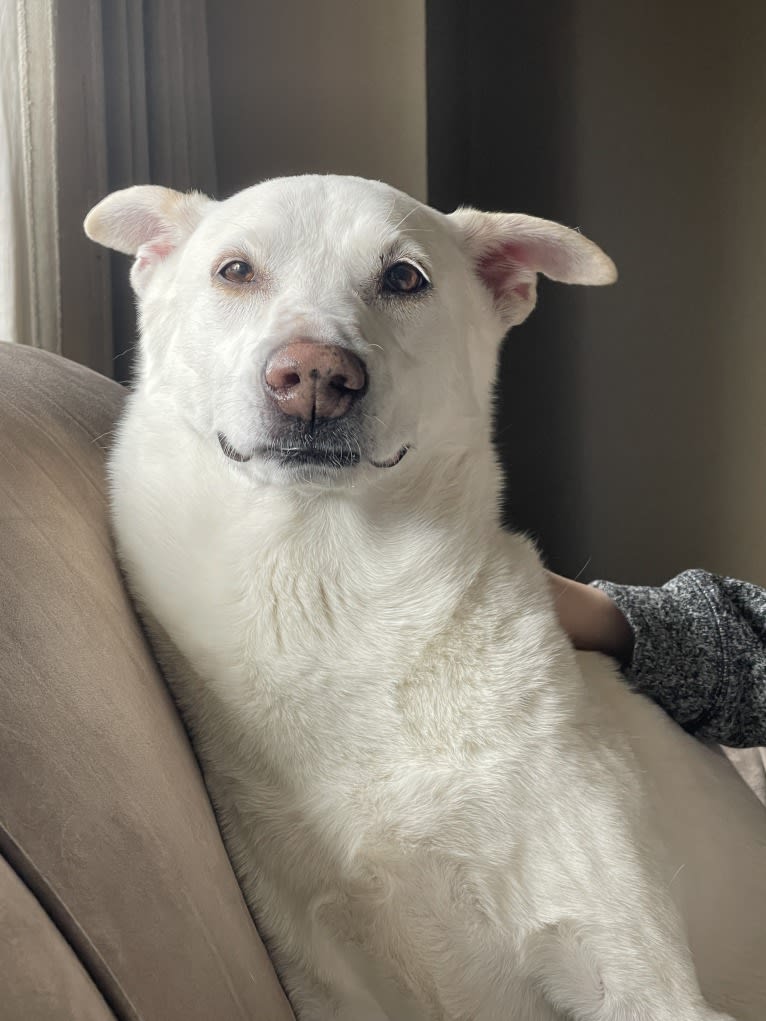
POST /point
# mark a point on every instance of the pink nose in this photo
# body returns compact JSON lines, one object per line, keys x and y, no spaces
{"x":309,"y":380}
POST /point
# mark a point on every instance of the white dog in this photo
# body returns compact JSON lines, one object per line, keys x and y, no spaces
{"x":435,"y":807}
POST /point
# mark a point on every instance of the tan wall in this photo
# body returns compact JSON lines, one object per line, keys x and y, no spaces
{"x":669,"y":429}
{"x":671,"y":178}
{"x":329,"y":86}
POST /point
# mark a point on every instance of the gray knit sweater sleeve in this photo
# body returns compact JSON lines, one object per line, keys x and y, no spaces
{"x":700,"y":652}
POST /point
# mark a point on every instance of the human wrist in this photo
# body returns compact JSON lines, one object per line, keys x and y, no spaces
{"x":592,"y":619}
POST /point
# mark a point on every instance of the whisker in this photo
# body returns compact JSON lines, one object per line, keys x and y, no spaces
{"x":109,"y":432}
{"x":405,"y":217}
{"x":583,"y":569}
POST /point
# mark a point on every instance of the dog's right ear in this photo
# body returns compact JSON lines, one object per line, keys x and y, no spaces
{"x":146,"y":221}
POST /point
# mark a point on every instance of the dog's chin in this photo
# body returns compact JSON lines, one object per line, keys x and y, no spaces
{"x":307,"y":463}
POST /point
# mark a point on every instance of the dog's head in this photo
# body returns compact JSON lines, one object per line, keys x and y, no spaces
{"x":323,"y":328}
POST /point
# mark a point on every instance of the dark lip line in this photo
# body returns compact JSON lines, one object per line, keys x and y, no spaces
{"x":393,"y":461}
{"x":308,"y":455}
{"x":231,"y":452}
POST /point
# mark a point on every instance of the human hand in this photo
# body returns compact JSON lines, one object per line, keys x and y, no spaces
{"x":590,"y":618}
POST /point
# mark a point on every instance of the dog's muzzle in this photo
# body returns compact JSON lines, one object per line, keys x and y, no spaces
{"x":308,"y":454}
{"x":313,"y":393}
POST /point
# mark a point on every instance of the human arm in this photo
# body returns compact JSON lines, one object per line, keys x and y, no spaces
{"x":697,"y":647}
{"x":591,"y":618}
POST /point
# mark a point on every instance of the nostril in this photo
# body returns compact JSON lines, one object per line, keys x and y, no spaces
{"x":281,"y":378}
{"x":343,"y":383}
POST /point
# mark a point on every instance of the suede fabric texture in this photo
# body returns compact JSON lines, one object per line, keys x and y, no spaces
{"x":41,"y":978}
{"x":117,"y":898}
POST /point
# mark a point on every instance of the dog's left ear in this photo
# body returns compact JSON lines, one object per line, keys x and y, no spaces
{"x":509,"y":250}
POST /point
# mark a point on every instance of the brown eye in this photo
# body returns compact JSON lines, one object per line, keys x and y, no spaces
{"x":404,"y":278}
{"x":237,"y":272}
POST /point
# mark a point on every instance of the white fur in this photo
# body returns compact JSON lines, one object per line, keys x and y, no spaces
{"x":436,"y":808}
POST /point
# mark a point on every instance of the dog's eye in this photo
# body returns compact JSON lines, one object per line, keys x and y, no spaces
{"x":237,"y":272}
{"x":404,"y":278}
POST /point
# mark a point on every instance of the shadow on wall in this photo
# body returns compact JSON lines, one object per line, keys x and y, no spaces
{"x":632,"y":421}
{"x":331,"y":87}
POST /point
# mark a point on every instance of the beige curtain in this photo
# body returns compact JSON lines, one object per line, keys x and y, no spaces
{"x":110,"y":93}
{"x":30,"y":311}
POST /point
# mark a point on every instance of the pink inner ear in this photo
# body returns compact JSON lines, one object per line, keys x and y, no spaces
{"x":153,"y":252}
{"x":505,"y":271}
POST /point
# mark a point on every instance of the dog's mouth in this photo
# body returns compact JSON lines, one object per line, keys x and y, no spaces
{"x":392,"y":462}
{"x":308,"y":454}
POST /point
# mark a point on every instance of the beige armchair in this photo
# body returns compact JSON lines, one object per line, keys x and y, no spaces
{"x":117,"y":899}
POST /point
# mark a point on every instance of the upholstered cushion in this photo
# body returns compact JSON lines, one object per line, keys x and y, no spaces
{"x":116,"y":895}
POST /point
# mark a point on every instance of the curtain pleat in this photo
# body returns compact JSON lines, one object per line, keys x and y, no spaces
{"x":30,"y":311}
{"x":96,"y":95}
{"x":158,"y":123}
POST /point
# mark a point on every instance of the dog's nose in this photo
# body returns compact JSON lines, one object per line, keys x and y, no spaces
{"x":309,"y":380}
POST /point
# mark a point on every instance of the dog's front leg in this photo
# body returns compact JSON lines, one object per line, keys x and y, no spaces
{"x":615,"y":976}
